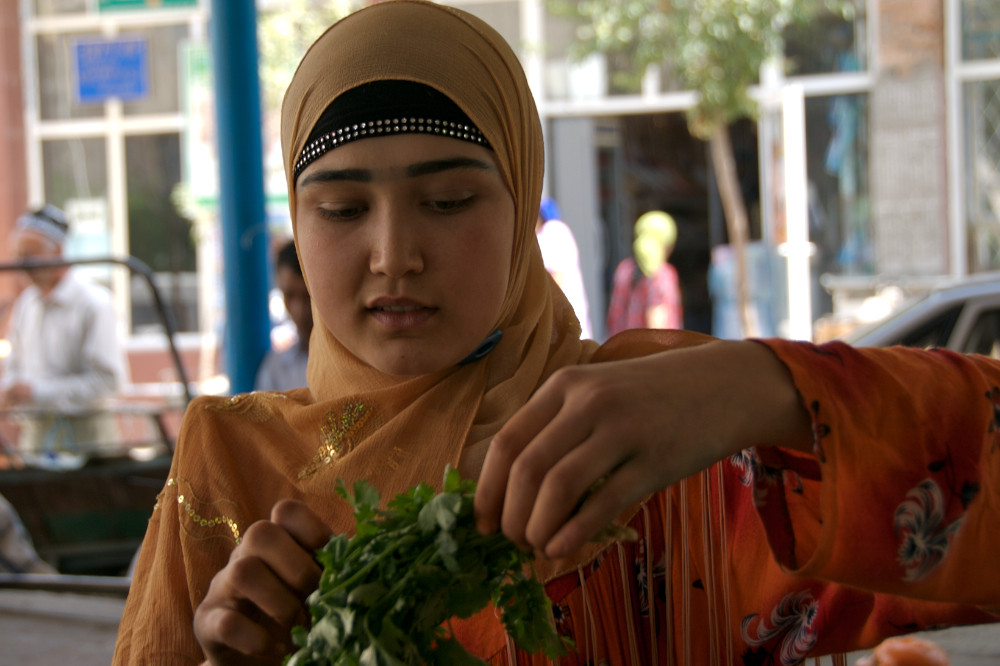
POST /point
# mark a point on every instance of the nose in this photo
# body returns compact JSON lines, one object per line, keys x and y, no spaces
{"x":396,"y":248}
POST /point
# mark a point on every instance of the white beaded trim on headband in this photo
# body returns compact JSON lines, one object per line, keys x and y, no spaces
{"x":331,"y":140}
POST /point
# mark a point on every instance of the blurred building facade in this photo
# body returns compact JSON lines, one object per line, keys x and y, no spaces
{"x":901,"y":118}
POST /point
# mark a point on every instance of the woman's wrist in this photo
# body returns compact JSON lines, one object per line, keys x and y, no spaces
{"x":770,"y":408}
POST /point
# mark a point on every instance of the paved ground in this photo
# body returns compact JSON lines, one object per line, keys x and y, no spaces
{"x":46,"y":628}
{"x":49,"y":628}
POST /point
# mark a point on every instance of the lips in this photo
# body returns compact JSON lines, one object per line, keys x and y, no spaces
{"x":398,"y":308}
{"x":400,"y":313}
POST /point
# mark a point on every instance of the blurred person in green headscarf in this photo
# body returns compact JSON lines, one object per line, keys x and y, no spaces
{"x":645,"y":290}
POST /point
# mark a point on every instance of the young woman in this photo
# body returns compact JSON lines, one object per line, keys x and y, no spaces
{"x":414,"y":162}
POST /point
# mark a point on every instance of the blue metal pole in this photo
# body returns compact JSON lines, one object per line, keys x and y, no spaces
{"x":233,"y":34}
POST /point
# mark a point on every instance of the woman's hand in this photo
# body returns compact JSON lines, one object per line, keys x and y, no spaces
{"x":255,"y":600}
{"x":595,"y":439}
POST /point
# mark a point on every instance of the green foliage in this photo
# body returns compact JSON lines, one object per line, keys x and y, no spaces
{"x":716,"y":47}
{"x":284,"y":32}
{"x":387,"y":592}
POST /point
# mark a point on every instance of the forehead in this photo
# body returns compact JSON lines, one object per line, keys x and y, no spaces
{"x":28,"y":242}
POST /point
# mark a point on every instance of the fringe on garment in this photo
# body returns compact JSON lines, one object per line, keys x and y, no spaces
{"x":715,"y":579}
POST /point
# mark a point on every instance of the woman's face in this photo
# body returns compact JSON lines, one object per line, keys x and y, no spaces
{"x":406,"y":243}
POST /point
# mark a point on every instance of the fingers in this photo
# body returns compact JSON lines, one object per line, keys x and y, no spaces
{"x":503,"y":451}
{"x":237,"y":635}
{"x":600,"y":508}
{"x":301,"y":523}
{"x":553,"y":471}
{"x":273,"y":577}
{"x":546,"y":459}
{"x":579,"y":483}
{"x":258,"y":597}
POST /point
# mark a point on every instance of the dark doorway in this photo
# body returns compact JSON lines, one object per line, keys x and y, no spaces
{"x":661,"y":166}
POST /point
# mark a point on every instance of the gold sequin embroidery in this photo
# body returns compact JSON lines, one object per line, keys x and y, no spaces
{"x":336,"y":436}
{"x":256,"y":406}
{"x":187,"y":506}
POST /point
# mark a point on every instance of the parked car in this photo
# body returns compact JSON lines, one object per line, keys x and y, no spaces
{"x":962,"y":316}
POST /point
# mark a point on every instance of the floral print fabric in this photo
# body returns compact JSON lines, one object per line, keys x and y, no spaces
{"x":775,"y":556}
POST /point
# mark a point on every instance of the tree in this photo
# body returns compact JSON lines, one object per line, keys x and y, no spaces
{"x":716,"y":48}
{"x":284,"y":31}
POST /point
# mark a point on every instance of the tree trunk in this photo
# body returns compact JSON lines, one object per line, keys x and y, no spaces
{"x":735,"y":210}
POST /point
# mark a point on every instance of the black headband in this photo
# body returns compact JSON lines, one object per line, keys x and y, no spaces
{"x":384,"y":108}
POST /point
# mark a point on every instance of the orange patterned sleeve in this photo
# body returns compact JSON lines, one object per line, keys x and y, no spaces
{"x":900,"y":494}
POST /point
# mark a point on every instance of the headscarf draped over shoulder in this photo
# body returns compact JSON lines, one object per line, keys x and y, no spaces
{"x":411,"y":427}
{"x":398,"y":431}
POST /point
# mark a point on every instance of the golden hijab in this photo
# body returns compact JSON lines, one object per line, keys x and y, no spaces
{"x":403,"y":430}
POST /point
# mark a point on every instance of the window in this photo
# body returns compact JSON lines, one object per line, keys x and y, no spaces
{"x":980,"y":26}
{"x":158,"y":234}
{"x":980,"y":29}
{"x":828,"y":45}
{"x":56,"y":98}
{"x":111,"y":201}
{"x":982,"y":154}
{"x":985,"y":335}
{"x":934,"y":333}
{"x":839,"y":217}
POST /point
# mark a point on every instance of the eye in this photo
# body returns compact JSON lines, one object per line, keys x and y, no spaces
{"x":450,"y":205}
{"x":341,"y":213}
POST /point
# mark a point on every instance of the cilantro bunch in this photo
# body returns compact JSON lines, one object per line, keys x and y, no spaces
{"x":387,"y":592}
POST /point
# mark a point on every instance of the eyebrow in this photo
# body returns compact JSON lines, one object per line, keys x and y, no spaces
{"x":412,"y":171}
{"x":437,"y":166}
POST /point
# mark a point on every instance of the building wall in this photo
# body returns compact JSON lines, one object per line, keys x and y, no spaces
{"x":13,"y":168}
{"x":908,"y":184}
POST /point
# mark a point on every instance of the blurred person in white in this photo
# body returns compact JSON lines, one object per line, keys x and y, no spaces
{"x":285,"y":369}
{"x":66,"y":355}
{"x":561,"y":257}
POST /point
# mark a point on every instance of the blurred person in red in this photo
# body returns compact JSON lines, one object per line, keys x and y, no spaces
{"x":645,"y":292}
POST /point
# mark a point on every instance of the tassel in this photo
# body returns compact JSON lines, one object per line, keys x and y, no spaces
{"x":588,"y":620}
{"x":708,"y":576}
{"x":633,"y":644}
{"x":668,"y":577}
{"x":727,"y":589}
{"x":647,"y":563}
{"x":685,"y":574}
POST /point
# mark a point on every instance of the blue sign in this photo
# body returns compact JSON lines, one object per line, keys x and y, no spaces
{"x":111,"y":68}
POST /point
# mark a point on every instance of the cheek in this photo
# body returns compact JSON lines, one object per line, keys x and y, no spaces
{"x":486,"y":272}
{"x":327,"y":271}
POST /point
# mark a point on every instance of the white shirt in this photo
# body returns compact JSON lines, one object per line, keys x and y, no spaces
{"x":562,"y":261}
{"x":65,"y":346}
{"x":283,"y":370}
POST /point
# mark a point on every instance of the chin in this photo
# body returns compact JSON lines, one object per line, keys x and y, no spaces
{"x":413,"y":367}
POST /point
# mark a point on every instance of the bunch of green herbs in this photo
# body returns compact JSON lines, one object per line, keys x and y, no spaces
{"x":387,"y":593}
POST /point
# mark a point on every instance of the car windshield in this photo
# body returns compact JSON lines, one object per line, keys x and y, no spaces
{"x":864,"y":331}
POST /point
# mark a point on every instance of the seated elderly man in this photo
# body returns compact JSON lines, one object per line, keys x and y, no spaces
{"x":66,"y":354}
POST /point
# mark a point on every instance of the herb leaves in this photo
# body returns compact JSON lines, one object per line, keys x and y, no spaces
{"x":387,"y":592}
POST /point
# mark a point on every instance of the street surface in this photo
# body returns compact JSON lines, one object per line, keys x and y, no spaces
{"x":46,"y":628}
